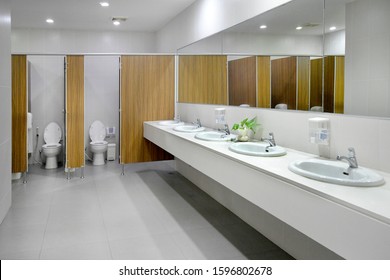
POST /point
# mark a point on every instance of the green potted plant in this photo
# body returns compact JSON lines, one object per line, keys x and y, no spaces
{"x":244,"y":127}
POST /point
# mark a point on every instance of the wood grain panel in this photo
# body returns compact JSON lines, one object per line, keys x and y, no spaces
{"x":242,"y":81}
{"x":19,"y":113}
{"x":303,"y":83}
{"x":264,"y":82}
{"x":284,"y":81}
{"x":147,"y":94}
{"x":339,"y":86}
{"x":75,"y":111}
{"x":203,"y":79}
{"x":316,"y":82}
{"x":329,"y":76}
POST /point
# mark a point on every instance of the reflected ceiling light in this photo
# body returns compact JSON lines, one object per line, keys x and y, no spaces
{"x":332,"y":28}
{"x":263,"y":26}
{"x":298,"y":27}
{"x":104,"y":4}
{"x":49,"y":20}
{"x":118,"y":20}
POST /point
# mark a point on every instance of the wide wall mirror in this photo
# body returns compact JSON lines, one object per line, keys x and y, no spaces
{"x":321,"y":55}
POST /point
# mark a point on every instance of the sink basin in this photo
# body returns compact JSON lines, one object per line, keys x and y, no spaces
{"x":188,"y":128}
{"x":170,"y":123}
{"x":215,"y":136}
{"x":257,"y":149}
{"x":336,"y":172}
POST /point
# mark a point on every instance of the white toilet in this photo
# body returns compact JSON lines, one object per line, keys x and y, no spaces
{"x":97,"y":133}
{"x":52,"y":136}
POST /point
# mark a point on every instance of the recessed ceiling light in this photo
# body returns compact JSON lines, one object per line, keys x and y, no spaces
{"x":332,"y":28}
{"x":49,"y":20}
{"x":116,"y":22}
{"x":298,"y":27}
{"x":104,"y":4}
{"x":263,"y":26}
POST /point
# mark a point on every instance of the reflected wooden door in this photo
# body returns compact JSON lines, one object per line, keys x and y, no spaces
{"x":75,"y":111}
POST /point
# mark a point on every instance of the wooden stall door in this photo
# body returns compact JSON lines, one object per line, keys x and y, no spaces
{"x":203,"y":79}
{"x":75,"y":111}
{"x":329,"y":83}
{"x":242,"y":81}
{"x":19,"y":113}
{"x":316,"y":82}
{"x":147,"y":94}
{"x":284,"y":81}
{"x":339,"y":85}
{"x":303,"y":83}
{"x":264,"y":82}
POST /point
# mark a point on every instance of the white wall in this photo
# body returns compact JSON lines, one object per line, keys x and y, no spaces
{"x":251,"y":43}
{"x":335,"y":43}
{"x":272,"y":44}
{"x":5,"y":107}
{"x":369,"y":136}
{"x":101,"y":94}
{"x":46,"y":97}
{"x":52,"y":41}
{"x":208,"y":17}
{"x":367,"y":59}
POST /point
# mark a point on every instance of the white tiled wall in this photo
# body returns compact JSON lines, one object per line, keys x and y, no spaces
{"x":368,"y":135}
{"x":5,"y":107}
{"x":367,"y":60}
{"x":101,"y":94}
{"x":46,"y":97}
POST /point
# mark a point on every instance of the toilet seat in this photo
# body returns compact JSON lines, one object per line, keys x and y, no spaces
{"x":98,"y":143}
{"x":97,"y":133}
{"x":52,"y":134}
{"x":51,"y":145}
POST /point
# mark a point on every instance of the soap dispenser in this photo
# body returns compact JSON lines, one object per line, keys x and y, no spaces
{"x":319,"y":130}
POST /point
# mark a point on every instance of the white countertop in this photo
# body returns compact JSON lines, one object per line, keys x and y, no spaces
{"x":372,"y":201}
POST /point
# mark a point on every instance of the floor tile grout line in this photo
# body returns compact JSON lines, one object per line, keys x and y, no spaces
{"x":104,"y":223}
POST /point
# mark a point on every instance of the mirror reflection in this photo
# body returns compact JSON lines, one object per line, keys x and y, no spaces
{"x":341,"y":56}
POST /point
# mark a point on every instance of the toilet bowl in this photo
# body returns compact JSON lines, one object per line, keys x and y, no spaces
{"x":97,"y":133}
{"x":52,"y":136}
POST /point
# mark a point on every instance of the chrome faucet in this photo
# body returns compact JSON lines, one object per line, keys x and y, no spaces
{"x":351,"y":158}
{"x":270,"y":140}
{"x":225,"y":129}
{"x":198,"y":123}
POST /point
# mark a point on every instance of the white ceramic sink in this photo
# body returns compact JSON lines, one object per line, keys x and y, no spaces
{"x":188,"y":128}
{"x":336,"y":172}
{"x":257,"y":149}
{"x":215,"y":136}
{"x":170,"y":123}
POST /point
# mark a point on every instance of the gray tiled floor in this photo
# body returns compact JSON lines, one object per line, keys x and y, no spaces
{"x":150,"y":213}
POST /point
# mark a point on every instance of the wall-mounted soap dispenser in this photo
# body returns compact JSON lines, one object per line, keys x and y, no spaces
{"x":220,"y":115}
{"x":319,"y":130}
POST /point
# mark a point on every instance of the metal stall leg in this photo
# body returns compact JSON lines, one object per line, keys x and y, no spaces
{"x":24,"y":177}
{"x":123,"y":170}
{"x":82,"y":173}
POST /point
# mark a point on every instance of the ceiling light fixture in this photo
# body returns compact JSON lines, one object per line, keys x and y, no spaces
{"x":104,"y":4}
{"x":298,"y":27}
{"x":49,"y":20}
{"x":332,"y":28}
{"x":263,"y":26}
{"x":118,"y":20}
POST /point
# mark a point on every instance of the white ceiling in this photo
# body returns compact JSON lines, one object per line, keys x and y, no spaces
{"x":143,"y":15}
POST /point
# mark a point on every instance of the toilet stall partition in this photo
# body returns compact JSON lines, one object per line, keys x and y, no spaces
{"x":19,"y":114}
{"x":74,"y":111}
{"x":147,"y":93}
